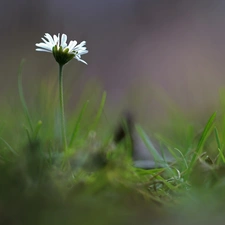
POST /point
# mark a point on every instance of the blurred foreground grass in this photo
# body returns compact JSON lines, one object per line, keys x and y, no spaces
{"x":94,"y":181}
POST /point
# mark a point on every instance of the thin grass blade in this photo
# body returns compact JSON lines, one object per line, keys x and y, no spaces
{"x":22,"y":99}
{"x":99,"y":113}
{"x":157,"y":157}
{"x":9,"y":146}
{"x":206,"y":132}
{"x":219,"y":147}
{"x":77,"y":125}
{"x":37,"y":128}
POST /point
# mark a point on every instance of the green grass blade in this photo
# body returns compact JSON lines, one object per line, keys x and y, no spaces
{"x":77,"y":125}
{"x":221,"y":155}
{"x":168,"y":144}
{"x":206,"y":132}
{"x":157,"y":157}
{"x":182,"y":156}
{"x":217,"y":138}
{"x":37,"y":128}
{"x":99,"y":113}
{"x":22,"y":99}
{"x":9,"y":146}
{"x":28,"y":134}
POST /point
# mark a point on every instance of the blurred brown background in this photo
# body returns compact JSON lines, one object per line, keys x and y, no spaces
{"x":141,"y":51}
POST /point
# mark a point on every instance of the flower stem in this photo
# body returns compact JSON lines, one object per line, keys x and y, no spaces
{"x":62,"y":115}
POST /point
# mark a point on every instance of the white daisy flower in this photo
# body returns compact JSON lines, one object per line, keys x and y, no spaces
{"x":62,"y":52}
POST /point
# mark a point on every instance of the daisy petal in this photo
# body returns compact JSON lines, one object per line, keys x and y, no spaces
{"x":83,"y":52}
{"x":49,"y":38}
{"x":71,"y":45}
{"x":81,"y":44}
{"x":43,"y":45}
{"x":55,"y":39}
{"x":63,"y":40}
{"x":79,"y":59}
{"x":43,"y":39}
{"x":42,"y":50}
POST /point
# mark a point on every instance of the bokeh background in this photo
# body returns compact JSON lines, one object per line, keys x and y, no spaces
{"x":148,"y":55}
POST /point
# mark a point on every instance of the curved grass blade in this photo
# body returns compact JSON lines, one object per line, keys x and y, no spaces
{"x":99,"y":113}
{"x":77,"y":125}
{"x":37,"y":128}
{"x":183,"y":157}
{"x":217,"y":138}
{"x":221,"y":155}
{"x":22,"y":99}
{"x":9,"y":146}
{"x":206,"y":132}
{"x":157,"y":157}
{"x":28,"y":134}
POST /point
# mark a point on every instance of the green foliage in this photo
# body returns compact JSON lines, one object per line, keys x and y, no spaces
{"x":95,"y":182}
